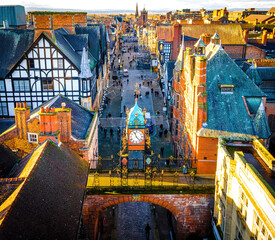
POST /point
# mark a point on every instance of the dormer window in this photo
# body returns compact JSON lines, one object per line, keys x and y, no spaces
{"x":227,"y":89}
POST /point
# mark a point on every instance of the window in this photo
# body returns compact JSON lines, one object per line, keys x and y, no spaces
{"x":47,"y":84}
{"x":3,"y":109}
{"x":32,"y":138}
{"x":60,"y":63}
{"x":84,"y":86}
{"x":227,"y":89}
{"x":30,"y":63}
{"x":2,"y":86}
{"x":21,"y":85}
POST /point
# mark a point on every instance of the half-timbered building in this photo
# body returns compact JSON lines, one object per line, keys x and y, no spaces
{"x":39,"y":70}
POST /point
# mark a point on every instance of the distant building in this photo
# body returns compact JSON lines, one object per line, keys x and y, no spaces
{"x":260,"y":19}
{"x":13,"y":17}
{"x":271,"y":11}
{"x":213,"y":97}
{"x":245,"y":191}
{"x":144,"y":16}
{"x":136,"y":13}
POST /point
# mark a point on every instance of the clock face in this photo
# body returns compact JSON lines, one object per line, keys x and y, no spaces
{"x":136,"y":136}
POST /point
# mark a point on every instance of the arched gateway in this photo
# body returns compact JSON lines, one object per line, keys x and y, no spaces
{"x":191,"y":211}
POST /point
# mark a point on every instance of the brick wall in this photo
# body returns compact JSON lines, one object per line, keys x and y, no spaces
{"x":191,"y":211}
{"x":254,"y":52}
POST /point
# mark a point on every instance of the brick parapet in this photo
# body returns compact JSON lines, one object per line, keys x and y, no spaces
{"x":192,"y":212}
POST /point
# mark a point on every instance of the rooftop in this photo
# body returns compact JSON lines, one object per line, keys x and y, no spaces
{"x":58,"y":178}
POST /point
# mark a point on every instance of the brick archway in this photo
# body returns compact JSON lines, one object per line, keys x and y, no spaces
{"x":191,"y":211}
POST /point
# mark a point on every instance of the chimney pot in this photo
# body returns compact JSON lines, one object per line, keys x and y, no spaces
{"x":63,"y":105}
{"x":47,"y":109}
{"x":18,"y":105}
{"x":21,"y":105}
{"x":42,"y":110}
{"x":25,"y":105}
{"x":53,"y":109}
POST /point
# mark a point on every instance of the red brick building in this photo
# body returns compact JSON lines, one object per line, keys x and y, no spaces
{"x":58,"y":120}
{"x":213,"y":97}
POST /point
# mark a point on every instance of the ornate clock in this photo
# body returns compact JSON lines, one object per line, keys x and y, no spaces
{"x":136,"y":136}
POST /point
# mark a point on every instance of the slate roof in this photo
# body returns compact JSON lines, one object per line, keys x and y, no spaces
{"x":49,"y":202}
{"x":7,"y":160}
{"x":227,"y":112}
{"x":14,"y":14}
{"x":230,"y":34}
{"x":77,"y":42}
{"x":80,"y":125}
{"x":260,"y":74}
{"x":93,"y":39}
{"x":13,"y":45}
{"x":170,"y":69}
{"x":65,"y":42}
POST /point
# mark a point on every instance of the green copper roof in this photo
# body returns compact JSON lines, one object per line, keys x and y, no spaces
{"x":136,"y":117}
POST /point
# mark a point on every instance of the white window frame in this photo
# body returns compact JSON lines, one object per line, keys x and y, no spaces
{"x":31,"y":136}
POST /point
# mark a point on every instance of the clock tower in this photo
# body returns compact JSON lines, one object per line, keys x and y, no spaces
{"x":135,"y":129}
{"x":136,"y":142}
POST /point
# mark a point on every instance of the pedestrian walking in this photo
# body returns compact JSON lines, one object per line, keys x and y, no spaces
{"x":105,"y":132}
{"x":160,"y":134}
{"x":165,"y":132}
{"x":111,"y":132}
{"x":147,"y":230}
{"x":162,"y":150}
{"x":124,"y":108}
{"x":127,"y":81}
{"x":148,"y":84}
{"x":140,"y":85}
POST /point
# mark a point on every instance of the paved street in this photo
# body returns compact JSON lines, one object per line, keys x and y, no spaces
{"x":120,"y":96}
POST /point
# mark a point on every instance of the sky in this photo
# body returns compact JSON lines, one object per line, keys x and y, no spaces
{"x":131,"y":4}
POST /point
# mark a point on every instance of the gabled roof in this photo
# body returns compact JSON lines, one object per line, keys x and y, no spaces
{"x":231,"y":34}
{"x":48,"y":204}
{"x":227,"y":112}
{"x":13,"y":45}
{"x":200,"y":44}
{"x":258,"y":17}
{"x":271,"y":10}
{"x":80,"y":125}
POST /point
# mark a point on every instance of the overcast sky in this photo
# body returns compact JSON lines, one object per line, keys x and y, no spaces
{"x":131,"y":4}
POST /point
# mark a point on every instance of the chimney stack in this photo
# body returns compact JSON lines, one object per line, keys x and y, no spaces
{"x":48,"y":125}
{"x":22,"y":114}
{"x":245,"y":35}
{"x":65,"y":123}
{"x":264,"y":37}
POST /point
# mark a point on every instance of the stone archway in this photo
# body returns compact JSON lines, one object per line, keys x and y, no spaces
{"x":191,"y":211}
